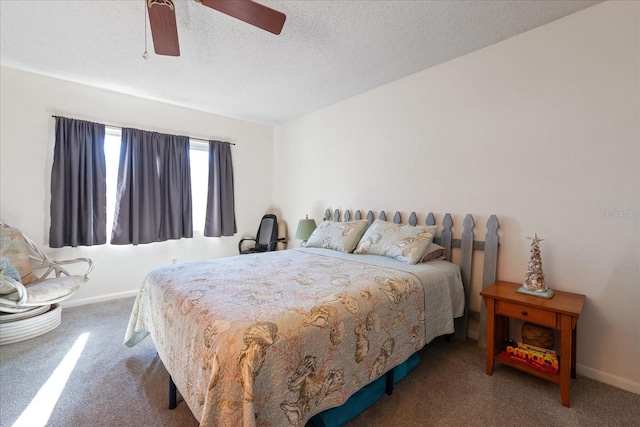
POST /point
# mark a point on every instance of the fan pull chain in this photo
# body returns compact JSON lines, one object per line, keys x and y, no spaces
{"x":145,"y":55}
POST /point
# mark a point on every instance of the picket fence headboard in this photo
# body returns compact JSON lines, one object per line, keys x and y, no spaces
{"x":467,"y":245}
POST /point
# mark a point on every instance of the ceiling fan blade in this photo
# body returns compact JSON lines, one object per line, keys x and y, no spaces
{"x":250,"y":12}
{"x":162,"y":17}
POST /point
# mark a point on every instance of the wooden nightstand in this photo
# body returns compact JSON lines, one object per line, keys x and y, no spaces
{"x":560,"y":312}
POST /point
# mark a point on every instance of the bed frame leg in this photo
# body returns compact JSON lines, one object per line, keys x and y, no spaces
{"x":389,"y":383}
{"x":173,"y":400}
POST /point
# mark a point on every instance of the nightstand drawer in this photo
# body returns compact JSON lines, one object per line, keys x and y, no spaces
{"x":530,"y":314}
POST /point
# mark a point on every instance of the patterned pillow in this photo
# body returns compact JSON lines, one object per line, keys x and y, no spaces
{"x":14,"y":248}
{"x":341,"y":236}
{"x":406,"y":243}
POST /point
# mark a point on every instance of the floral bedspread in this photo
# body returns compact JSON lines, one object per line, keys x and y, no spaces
{"x":272,"y":339}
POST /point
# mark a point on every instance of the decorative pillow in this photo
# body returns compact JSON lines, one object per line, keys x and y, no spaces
{"x":341,"y":236}
{"x":406,"y":243}
{"x":7,"y":269}
{"x":434,"y":251}
{"x":14,"y":248}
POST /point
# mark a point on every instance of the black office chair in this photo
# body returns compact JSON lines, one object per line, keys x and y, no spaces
{"x":267,"y":237}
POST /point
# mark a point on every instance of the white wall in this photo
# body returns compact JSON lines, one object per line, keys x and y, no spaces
{"x":26,"y":156}
{"x":541,"y":130}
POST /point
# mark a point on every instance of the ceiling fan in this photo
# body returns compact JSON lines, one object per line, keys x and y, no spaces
{"x":162,"y":17}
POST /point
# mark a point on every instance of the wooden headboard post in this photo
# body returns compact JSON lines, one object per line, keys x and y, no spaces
{"x":489,"y":271}
{"x":466,"y":264}
{"x":446,"y":236}
{"x":467,"y":245}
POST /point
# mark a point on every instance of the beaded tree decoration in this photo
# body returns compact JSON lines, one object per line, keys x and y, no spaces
{"x":534,"y":278}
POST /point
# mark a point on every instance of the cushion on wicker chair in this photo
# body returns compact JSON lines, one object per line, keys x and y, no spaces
{"x":50,"y":289}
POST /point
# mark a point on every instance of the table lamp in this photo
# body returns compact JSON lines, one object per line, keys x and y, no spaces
{"x":305,"y":228}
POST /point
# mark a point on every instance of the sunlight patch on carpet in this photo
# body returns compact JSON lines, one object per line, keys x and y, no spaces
{"x":40,"y":408}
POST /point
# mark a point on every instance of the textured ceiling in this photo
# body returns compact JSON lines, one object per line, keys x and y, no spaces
{"x":328,"y":50}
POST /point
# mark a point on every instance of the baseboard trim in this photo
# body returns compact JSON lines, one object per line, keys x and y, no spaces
{"x":609,"y":379}
{"x":102,"y":298}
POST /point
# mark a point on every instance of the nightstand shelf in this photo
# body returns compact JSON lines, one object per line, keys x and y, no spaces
{"x":560,"y":312}
{"x":554,"y":378}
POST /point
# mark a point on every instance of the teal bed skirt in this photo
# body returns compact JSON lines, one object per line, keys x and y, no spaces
{"x":363,"y":398}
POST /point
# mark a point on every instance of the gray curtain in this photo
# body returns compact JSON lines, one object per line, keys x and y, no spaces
{"x":221,"y":214}
{"x":153,"y":201}
{"x":175,"y":180}
{"x":78,"y":185}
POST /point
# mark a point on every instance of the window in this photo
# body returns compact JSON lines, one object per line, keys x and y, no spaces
{"x":199,"y":159}
{"x":112,"y":157}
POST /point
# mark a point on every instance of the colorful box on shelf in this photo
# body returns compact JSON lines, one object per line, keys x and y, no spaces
{"x":537,"y":357}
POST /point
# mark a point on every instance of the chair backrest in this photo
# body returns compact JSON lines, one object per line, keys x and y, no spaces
{"x":267,"y":233}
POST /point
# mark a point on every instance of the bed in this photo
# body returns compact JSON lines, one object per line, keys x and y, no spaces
{"x":273,"y":339}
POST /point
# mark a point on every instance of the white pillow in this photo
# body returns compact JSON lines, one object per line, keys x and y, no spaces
{"x":406,"y":243}
{"x":340,"y":236}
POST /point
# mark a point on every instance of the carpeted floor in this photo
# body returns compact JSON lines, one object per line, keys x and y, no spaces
{"x":112,"y":385}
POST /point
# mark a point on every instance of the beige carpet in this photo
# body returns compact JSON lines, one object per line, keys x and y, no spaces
{"x":112,"y":385}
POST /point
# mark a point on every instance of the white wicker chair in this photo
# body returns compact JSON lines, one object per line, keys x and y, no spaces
{"x":31,"y":309}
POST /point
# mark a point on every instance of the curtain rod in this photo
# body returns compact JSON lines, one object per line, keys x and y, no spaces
{"x":120,"y":127}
